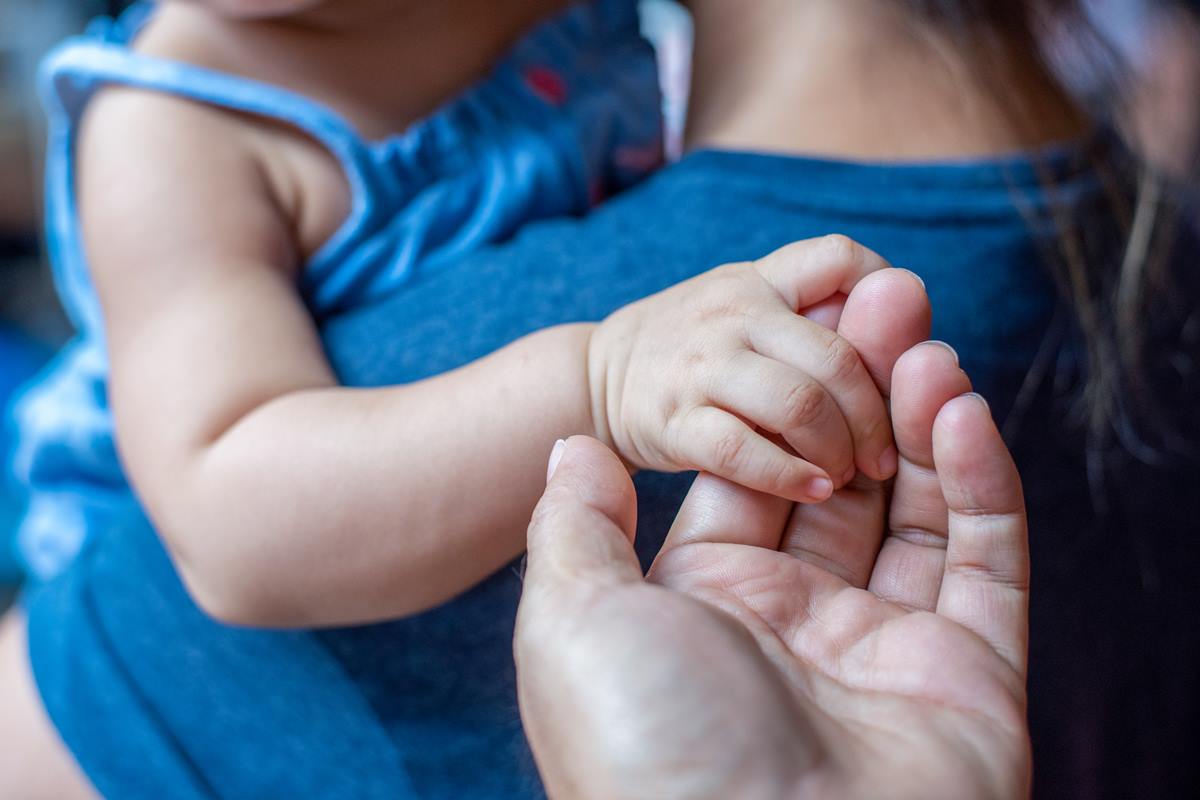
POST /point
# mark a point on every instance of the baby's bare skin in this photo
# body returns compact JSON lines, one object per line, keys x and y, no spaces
{"x":33,"y":760}
{"x":334,"y":53}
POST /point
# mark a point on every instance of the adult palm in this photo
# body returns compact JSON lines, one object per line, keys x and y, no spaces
{"x":907,"y":669}
{"x":829,"y":650}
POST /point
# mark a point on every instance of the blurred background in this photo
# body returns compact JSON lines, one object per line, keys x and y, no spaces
{"x":1158,"y":109}
{"x":31,"y":324}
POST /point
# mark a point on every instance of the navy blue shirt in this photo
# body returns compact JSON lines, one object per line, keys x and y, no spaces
{"x":426,"y":707}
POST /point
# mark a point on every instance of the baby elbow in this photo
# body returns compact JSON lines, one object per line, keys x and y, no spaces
{"x":225,"y":582}
{"x":222,"y":597}
{"x":232,"y":590}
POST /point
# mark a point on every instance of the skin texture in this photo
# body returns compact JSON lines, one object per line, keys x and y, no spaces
{"x":889,"y":87}
{"x":774,"y":652}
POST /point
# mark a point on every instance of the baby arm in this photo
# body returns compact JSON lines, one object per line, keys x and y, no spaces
{"x":287,"y":500}
{"x":284,"y":499}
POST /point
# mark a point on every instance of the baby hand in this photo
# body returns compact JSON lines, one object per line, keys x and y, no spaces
{"x":723,"y":373}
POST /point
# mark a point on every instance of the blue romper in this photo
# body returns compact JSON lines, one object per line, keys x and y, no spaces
{"x":569,"y":116}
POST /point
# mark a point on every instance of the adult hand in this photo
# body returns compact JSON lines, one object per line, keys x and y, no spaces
{"x":772,"y":655}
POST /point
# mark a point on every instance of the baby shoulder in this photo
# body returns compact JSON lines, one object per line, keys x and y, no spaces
{"x":161,"y":177}
{"x":133,"y":136}
{"x":240,"y":173}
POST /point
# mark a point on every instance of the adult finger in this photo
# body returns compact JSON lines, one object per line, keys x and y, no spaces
{"x":717,"y":510}
{"x":908,"y":569}
{"x":986,"y":583}
{"x":579,"y":547}
{"x":841,"y":535}
{"x":885,"y":315}
{"x":582,"y":529}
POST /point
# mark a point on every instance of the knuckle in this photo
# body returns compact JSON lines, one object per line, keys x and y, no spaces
{"x":733,"y":270}
{"x":712,"y":309}
{"x":841,"y":360}
{"x":782,"y":477}
{"x":692,"y":361}
{"x":983,"y":572}
{"x":719,"y":297}
{"x":725,"y":316}
{"x":722,"y":282}
{"x":729,"y":451}
{"x":675,"y":446}
{"x":875,"y":429}
{"x":842,"y":248}
{"x":672,"y":415}
{"x":803,"y":405}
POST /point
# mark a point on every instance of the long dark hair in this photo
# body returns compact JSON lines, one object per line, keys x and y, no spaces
{"x":1136,"y":313}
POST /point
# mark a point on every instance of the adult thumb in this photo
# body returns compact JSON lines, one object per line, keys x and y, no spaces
{"x":582,"y":530}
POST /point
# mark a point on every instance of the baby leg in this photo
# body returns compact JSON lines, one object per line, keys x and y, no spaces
{"x":34,"y":763}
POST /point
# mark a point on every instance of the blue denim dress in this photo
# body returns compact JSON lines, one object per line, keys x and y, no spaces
{"x":571,"y":114}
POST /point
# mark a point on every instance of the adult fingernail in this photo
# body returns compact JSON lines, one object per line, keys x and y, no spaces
{"x":555,"y":457}
{"x":820,"y":488}
{"x":920,"y":280}
{"x":889,"y":461}
{"x":981,"y":399}
{"x":945,"y":346}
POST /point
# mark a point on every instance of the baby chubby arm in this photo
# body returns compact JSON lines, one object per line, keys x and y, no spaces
{"x":331,"y":505}
{"x":287,"y":500}
{"x":284,"y":499}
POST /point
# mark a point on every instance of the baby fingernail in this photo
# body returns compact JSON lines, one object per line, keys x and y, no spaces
{"x":555,"y":457}
{"x":820,"y":488}
{"x":889,"y":461}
